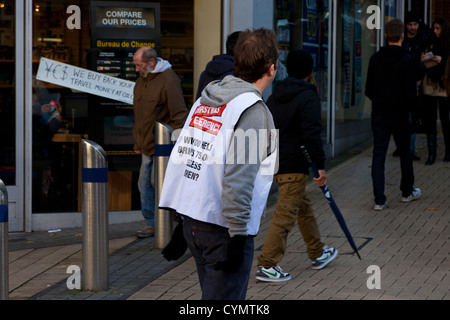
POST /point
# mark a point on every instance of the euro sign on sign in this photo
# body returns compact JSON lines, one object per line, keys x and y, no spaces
{"x":85,"y":80}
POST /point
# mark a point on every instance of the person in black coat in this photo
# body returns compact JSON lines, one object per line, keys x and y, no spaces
{"x":391,"y":85}
{"x":415,"y":42}
{"x":295,"y":107}
{"x":220,"y":66}
{"x":435,"y":95}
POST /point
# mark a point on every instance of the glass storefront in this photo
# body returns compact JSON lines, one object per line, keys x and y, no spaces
{"x":334,"y":32}
{"x":63,"y":116}
{"x":305,"y":25}
{"x":355,"y":45}
{"x":7,"y":93}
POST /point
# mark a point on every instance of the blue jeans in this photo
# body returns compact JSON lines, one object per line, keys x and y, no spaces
{"x":147,"y":190}
{"x":383,"y":128}
{"x":209,"y":245}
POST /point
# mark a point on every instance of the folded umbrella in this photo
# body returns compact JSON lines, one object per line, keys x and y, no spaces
{"x":331,"y":202}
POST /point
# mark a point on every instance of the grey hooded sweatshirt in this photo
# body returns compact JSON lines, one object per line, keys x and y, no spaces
{"x":240,"y":168}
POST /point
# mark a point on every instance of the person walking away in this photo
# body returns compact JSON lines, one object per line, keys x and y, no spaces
{"x":295,"y":106}
{"x":218,"y":182}
{"x":157,"y":97}
{"x":391,"y":87}
{"x":220,"y":66}
{"x":435,"y":61}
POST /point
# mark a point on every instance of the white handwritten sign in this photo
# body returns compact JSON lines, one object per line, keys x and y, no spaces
{"x":88,"y":81}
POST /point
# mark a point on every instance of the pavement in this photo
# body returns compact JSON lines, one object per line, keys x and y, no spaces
{"x":404,"y":248}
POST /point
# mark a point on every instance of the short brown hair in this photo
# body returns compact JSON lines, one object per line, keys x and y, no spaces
{"x":394,"y":30}
{"x":254,"y":53}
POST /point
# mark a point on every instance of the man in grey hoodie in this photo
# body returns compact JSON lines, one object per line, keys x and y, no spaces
{"x":221,"y":202}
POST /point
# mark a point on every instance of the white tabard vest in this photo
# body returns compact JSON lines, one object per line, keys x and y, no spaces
{"x":195,"y":171}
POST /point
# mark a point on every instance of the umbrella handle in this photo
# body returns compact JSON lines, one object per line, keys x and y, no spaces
{"x":310,"y":162}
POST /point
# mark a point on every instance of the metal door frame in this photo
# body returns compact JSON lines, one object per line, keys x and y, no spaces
{"x":16,"y":219}
{"x":27,"y":106}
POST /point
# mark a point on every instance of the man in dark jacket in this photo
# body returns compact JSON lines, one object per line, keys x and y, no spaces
{"x":295,"y":107}
{"x":415,"y":43}
{"x":391,"y":85}
{"x":220,"y":66}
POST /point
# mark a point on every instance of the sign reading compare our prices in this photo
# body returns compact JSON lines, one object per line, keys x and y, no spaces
{"x":84,"y":80}
{"x":125,"y":17}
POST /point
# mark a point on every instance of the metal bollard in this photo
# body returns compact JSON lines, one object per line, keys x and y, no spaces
{"x":94,"y":177}
{"x":4,"y":253}
{"x":163,"y":218}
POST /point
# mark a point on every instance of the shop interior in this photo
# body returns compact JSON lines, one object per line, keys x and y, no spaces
{"x":62,"y":116}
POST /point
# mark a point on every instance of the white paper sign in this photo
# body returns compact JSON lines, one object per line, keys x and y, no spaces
{"x":88,"y":81}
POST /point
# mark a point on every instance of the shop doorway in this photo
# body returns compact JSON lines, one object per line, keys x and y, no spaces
{"x":56,"y":118}
{"x":11,"y":122}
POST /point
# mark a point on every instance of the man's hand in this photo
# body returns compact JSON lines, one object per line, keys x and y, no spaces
{"x":177,"y":245}
{"x":322,"y":179}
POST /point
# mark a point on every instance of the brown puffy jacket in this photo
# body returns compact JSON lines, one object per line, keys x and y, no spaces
{"x":157,"y":97}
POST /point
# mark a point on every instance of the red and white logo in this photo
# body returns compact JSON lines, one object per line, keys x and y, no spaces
{"x":206,"y":124}
{"x":204,"y":110}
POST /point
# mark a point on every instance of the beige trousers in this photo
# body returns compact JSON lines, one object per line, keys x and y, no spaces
{"x":293,"y":206}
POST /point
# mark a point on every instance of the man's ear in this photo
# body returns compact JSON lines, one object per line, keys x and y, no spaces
{"x":272,"y":70}
{"x":152,"y":63}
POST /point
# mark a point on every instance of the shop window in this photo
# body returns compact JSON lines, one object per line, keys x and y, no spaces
{"x":177,"y":42}
{"x":63,"y":116}
{"x":305,"y":25}
{"x":7,"y":93}
{"x":57,"y":124}
{"x":355,"y":45}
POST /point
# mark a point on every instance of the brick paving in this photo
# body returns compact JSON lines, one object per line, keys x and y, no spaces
{"x":409,"y":242}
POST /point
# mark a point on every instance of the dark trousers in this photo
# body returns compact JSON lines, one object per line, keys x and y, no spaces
{"x":209,"y":245}
{"x":432,"y":104}
{"x":383,"y":127}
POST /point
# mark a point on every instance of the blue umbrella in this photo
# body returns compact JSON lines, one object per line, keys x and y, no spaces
{"x":332,"y":203}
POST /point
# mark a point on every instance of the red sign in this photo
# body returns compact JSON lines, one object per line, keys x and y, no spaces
{"x":206,"y":124}
{"x":204,"y":110}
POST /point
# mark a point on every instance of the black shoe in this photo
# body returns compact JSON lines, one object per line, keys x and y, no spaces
{"x":447,"y":157}
{"x":414,"y":156}
{"x":430,"y":160}
{"x":431,"y":141}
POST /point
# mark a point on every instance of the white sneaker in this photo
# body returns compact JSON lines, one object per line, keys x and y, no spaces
{"x":379,"y":207}
{"x":273,"y":274}
{"x":415,"y":194}
{"x":327,"y":256}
